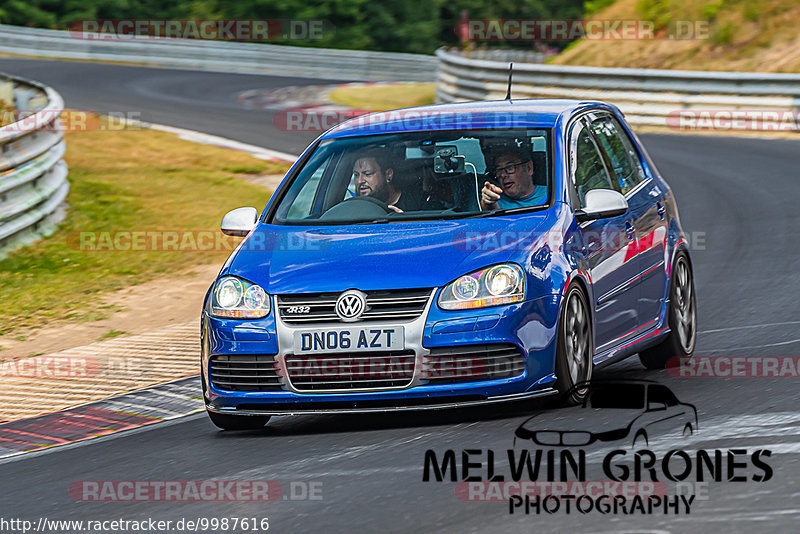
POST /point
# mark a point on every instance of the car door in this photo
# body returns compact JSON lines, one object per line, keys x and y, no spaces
{"x":646,"y":206}
{"x":606,"y":244}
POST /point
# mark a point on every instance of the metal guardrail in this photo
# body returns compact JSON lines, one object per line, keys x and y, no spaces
{"x":223,"y":56}
{"x":646,"y":96}
{"x":33,"y":177}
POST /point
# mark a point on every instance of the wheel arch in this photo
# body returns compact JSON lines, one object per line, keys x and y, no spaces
{"x":681,"y":247}
{"x":583,"y":280}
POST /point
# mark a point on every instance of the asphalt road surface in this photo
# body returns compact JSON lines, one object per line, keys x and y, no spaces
{"x":738,"y":199}
{"x":202,"y":101}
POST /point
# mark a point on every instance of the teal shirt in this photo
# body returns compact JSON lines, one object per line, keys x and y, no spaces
{"x":536,"y":198}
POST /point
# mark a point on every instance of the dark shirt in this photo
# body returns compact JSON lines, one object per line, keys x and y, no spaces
{"x":414,"y":200}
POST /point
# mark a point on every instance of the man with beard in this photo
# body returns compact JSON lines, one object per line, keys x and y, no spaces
{"x":374,"y":176}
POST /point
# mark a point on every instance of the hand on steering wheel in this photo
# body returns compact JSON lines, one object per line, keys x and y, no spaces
{"x":357,"y":208}
{"x":387,"y":208}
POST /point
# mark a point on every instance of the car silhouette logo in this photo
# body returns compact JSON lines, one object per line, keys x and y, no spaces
{"x":616,"y":410}
{"x":350,"y":305}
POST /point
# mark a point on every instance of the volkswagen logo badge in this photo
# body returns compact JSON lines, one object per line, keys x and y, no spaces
{"x":350,"y":305}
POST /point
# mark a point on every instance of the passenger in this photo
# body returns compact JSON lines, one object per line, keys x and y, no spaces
{"x":373,"y":175}
{"x":514,"y":172}
{"x":437,"y":194}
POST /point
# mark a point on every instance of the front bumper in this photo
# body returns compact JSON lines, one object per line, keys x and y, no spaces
{"x":529,"y":326}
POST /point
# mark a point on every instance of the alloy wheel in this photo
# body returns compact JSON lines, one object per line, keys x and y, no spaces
{"x":577,"y":343}
{"x":684,"y":306}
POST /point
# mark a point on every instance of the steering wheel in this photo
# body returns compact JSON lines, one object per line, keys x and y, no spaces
{"x":374,"y":200}
{"x":357,"y":208}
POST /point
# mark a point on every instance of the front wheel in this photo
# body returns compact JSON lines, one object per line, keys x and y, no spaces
{"x":238,"y":422}
{"x":575,"y":352}
{"x":682,"y":319}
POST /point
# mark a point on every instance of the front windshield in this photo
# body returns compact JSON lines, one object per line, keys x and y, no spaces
{"x":418,"y":176}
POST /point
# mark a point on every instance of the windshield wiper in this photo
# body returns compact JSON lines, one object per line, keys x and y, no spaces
{"x":486,"y":214}
{"x":500,"y":211}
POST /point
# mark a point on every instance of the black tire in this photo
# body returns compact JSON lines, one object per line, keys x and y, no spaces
{"x":682,"y":319}
{"x":238,"y":422}
{"x":575,"y":347}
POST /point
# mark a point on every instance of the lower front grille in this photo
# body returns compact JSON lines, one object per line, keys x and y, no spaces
{"x":353,"y":371}
{"x":471,"y":363}
{"x":366,"y":371}
{"x":244,"y":372}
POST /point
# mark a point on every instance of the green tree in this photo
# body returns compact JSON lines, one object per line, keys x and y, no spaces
{"x":399,"y":25}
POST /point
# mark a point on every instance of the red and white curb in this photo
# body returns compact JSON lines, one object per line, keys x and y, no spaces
{"x":102,"y":418}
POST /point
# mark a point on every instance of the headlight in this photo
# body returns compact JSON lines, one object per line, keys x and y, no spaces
{"x":239,"y":299}
{"x":493,"y":286}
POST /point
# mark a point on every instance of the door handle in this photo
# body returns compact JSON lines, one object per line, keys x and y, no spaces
{"x":630,"y":230}
{"x":592,"y":247}
{"x":661,"y":210}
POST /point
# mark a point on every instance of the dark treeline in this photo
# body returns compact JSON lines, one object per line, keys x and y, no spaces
{"x":418,"y":26}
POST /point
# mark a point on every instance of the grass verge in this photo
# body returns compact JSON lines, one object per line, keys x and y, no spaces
{"x":111,"y":334}
{"x":128,"y":180}
{"x":730,"y":35}
{"x":383,"y":97}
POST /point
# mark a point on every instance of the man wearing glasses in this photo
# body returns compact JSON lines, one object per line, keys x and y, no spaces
{"x":514,"y":172}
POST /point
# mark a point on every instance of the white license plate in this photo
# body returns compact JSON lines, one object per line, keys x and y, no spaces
{"x":348,"y":340}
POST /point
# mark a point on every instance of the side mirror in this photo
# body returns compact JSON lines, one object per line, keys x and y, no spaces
{"x":602,"y":204}
{"x":239,"y":222}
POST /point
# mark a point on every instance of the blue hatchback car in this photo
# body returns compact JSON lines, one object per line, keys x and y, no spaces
{"x":447,"y":256}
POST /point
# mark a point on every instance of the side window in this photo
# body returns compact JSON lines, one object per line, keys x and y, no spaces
{"x":658,"y":393}
{"x":588,"y":169}
{"x":304,"y":201}
{"x":623,"y":157}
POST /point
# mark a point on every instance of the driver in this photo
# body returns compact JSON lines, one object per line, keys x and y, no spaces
{"x":373,"y":175}
{"x":514,"y":172}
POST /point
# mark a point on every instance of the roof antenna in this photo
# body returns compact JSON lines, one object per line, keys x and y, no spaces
{"x":510,"y":71}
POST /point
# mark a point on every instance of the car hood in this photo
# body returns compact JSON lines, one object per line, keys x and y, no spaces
{"x":300,"y":259}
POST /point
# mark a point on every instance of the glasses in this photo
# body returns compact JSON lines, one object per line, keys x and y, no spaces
{"x":509,"y":169}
